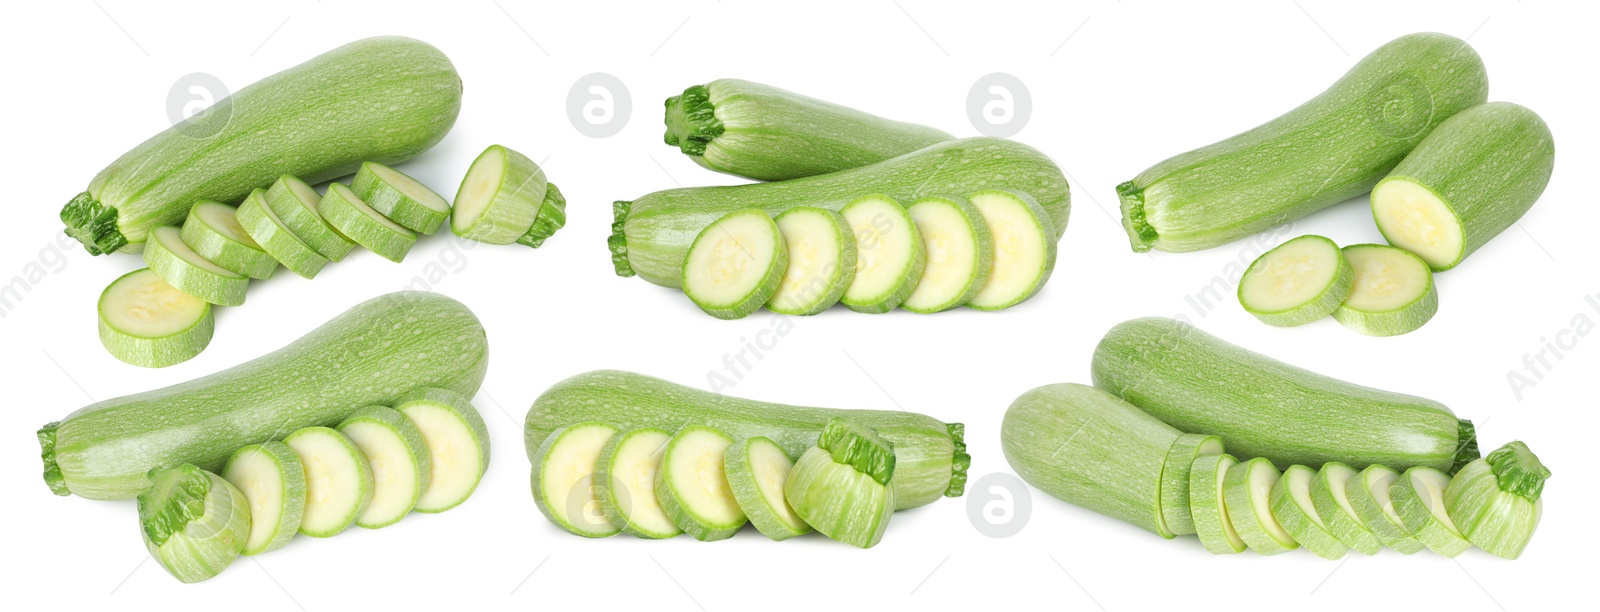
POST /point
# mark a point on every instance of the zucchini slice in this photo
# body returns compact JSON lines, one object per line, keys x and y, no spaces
{"x":296,"y":204}
{"x":1207,"y":504}
{"x":890,"y":255}
{"x":269,"y":231}
{"x":146,"y":322}
{"x":757,"y":469}
{"x":735,"y":264}
{"x":692,"y":485}
{"x":193,"y":522}
{"x":1024,"y":240}
{"x":338,"y":480}
{"x":499,"y":198}
{"x":959,"y":251}
{"x":458,"y":445}
{"x":1292,"y":506}
{"x":563,"y":479}
{"x":399,"y":458}
{"x":625,"y":475}
{"x":1300,"y":281}
{"x":172,"y":260}
{"x":1333,"y":505}
{"x":1419,"y":502}
{"x":1247,"y":494}
{"x":1469,"y":180}
{"x":1495,"y":501}
{"x":212,"y":230}
{"x":822,"y":261}
{"x":273,"y":480}
{"x":1368,"y":493}
{"x":1175,"y":479}
{"x":1392,"y":292}
{"x":347,"y":213}
{"x":401,"y":198}
{"x":843,"y":486}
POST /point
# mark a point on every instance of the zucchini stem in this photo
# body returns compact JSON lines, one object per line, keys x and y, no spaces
{"x":692,"y":121}
{"x":94,"y":224}
{"x":959,"y":460}
{"x":552,"y":216}
{"x":47,"y":452}
{"x":1140,"y":234}
{"x":1466,"y":445}
{"x":618,"y":242}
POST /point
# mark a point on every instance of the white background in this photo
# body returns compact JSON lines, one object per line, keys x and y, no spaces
{"x":1114,"y":86}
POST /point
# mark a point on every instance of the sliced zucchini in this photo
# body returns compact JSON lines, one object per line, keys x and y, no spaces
{"x":843,"y":487}
{"x":458,"y":445}
{"x":1292,"y":506}
{"x":1175,"y":479}
{"x":269,"y":231}
{"x":890,"y":255}
{"x":295,"y":203}
{"x":1368,"y":493}
{"x":693,"y":487}
{"x":1300,"y":281}
{"x":735,"y":264}
{"x":1496,"y":501}
{"x":146,"y":322}
{"x":1392,"y":292}
{"x":1207,"y":504}
{"x":500,"y":197}
{"x":172,"y":260}
{"x":338,"y":480}
{"x":213,"y":231}
{"x":822,"y":261}
{"x":1247,"y":493}
{"x":401,"y":467}
{"x":1024,"y":239}
{"x":757,"y":469}
{"x":626,"y":476}
{"x":347,"y":213}
{"x":563,"y":479}
{"x":273,"y":480}
{"x":193,"y":522}
{"x":1419,"y":502}
{"x":1333,"y":505}
{"x":401,"y":198}
{"x":959,"y":250}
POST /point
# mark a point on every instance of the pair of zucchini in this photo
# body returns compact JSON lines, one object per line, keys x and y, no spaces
{"x":1374,"y":289}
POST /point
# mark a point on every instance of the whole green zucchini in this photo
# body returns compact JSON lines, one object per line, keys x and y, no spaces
{"x":1262,"y":407}
{"x":768,"y":134}
{"x":1330,"y":149}
{"x":371,"y":354}
{"x":383,"y":99}
{"x":930,"y":456}
{"x":651,"y":235}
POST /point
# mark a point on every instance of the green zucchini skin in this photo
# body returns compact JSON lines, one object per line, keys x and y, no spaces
{"x":1489,"y":164}
{"x":930,"y":456}
{"x":1086,"y":447}
{"x":1262,"y":407}
{"x":764,"y":133}
{"x":651,"y":235}
{"x":104,"y":450}
{"x":383,"y":99}
{"x":1330,"y":149}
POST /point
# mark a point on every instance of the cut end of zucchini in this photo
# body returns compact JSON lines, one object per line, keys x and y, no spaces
{"x":959,"y":251}
{"x":93,"y":224}
{"x":1298,"y":282}
{"x":1248,"y":494}
{"x":1414,"y":218}
{"x":146,"y":322}
{"x":838,"y":500}
{"x":172,"y":260}
{"x":859,"y":447}
{"x":960,"y":461}
{"x":458,"y":445}
{"x":1518,"y":471}
{"x":617,"y":242}
{"x":757,"y":470}
{"x":1292,"y":506}
{"x":1024,"y":244}
{"x":626,"y":475}
{"x":692,"y":485}
{"x":890,"y":255}
{"x":500,"y":197}
{"x":1207,"y":504}
{"x":400,"y":198}
{"x":1392,"y":292}
{"x":822,"y":261}
{"x":552,"y":217}
{"x":692,"y":120}
{"x":1141,"y":236}
{"x":1489,"y":500}
{"x":564,"y":486}
{"x":193,"y":522}
{"x":272,"y":479}
{"x":735,"y":264}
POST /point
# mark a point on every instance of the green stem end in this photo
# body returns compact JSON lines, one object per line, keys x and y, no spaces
{"x":618,"y":242}
{"x":552,"y":216}
{"x":692,"y":120}
{"x":1466,"y":445}
{"x":959,"y":461}
{"x":1518,"y":470}
{"x":93,"y":223}
{"x":47,"y":452}
{"x":1140,"y":235}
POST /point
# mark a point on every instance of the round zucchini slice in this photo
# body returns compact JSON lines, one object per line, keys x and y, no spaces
{"x":1024,"y":240}
{"x":213,"y":231}
{"x":401,"y":467}
{"x":296,"y":203}
{"x":625,"y":475}
{"x":1247,"y":492}
{"x":1207,"y":504}
{"x":1292,"y":506}
{"x":1368,"y":493}
{"x":564,"y":487}
{"x":692,"y":485}
{"x":274,"y":482}
{"x":890,"y":255}
{"x":1419,"y":502}
{"x":401,"y":198}
{"x":172,"y":260}
{"x":269,"y":231}
{"x":1300,"y":281}
{"x":458,"y":445}
{"x":757,"y":469}
{"x":1175,"y":479}
{"x":1392,"y":292}
{"x":959,"y":250}
{"x":346,"y":212}
{"x":338,"y":480}
{"x":146,"y":322}
{"x":1329,"y":497}
{"x":822,"y":261}
{"x":735,"y":264}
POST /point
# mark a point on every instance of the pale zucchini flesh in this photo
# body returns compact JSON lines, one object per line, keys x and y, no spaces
{"x":273,"y":480}
{"x":338,"y":480}
{"x":1392,"y":292}
{"x":564,"y":486}
{"x":838,"y":500}
{"x":1175,"y":479}
{"x":736,"y":264}
{"x":626,"y":476}
{"x":959,"y":252}
{"x":1368,"y":493}
{"x":346,"y":212}
{"x":692,"y":485}
{"x":1247,"y":494}
{"x":1294,"y":510}
{"x":1418,"y":498}
{"x":890,"y":255}
{"x":401,"y":467}
{"x":276,"y":238}
{"x":1297,"y":282}
{"x":499,"y":198}
{"x":1024,"y":244}
{"x":193,"y":522}
{"x":172,"y":260}
{"x":400,"y":198}
{"x":1207,"y":504}
{"x":296,"y":204}
{"x":212,"y":230}
{"x":757,"y":469}
{"x":457,"y":441}
{"x":146,"y":322}
{"x":1330,"y":498}
{"x":822,"y":261}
